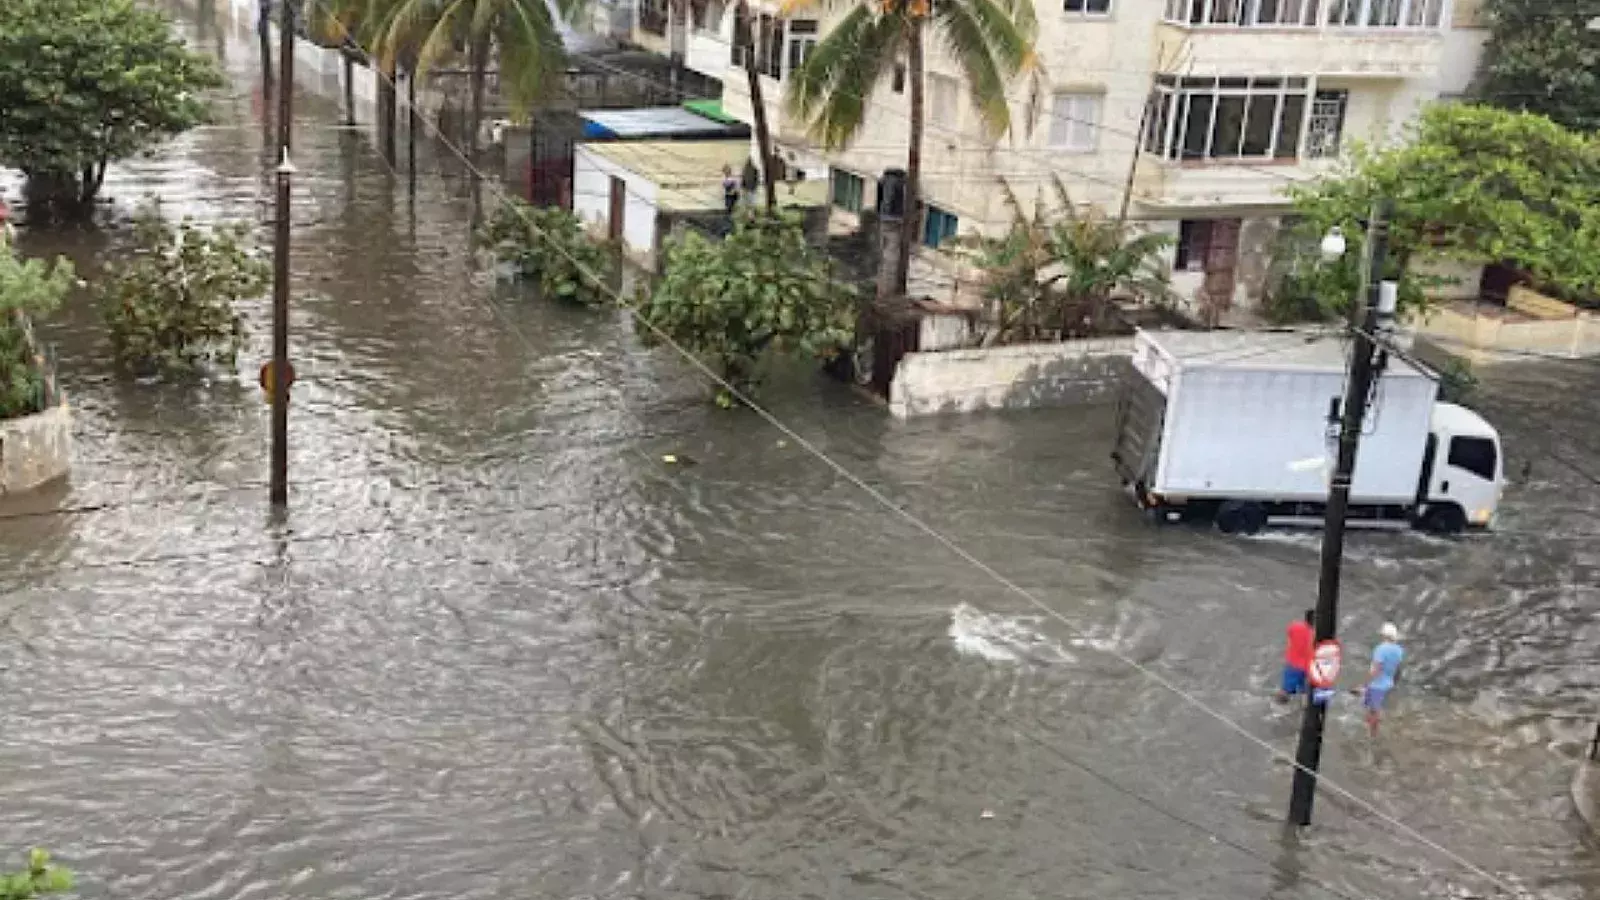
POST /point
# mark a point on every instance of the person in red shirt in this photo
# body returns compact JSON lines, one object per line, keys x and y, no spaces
{"x":1297,"y":657}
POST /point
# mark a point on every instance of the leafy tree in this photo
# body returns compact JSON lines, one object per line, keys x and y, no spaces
{"x":761,"y":290}
{"x":84,"y":83}
{"x":551,"y":247}
{"x":1058,"y":269}
{"x":171,"y":308}
{"x":1471,"y":183}
{"x":28,"y":288}
{"x":40,"y":878}
{"x":1543,"y":58}
{"x":991,"y":41}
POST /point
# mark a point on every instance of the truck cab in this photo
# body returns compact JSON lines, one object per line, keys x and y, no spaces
{"x":1463,"y":472}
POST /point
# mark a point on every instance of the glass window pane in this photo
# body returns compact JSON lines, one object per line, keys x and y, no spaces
{"x":1229,"y":130}
{"x":1196,"y":125}
{"x":1260,"y":117}
{"x":1294,"y":113}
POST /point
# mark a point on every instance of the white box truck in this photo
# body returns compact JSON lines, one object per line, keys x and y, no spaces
{"x":1240,"y":429}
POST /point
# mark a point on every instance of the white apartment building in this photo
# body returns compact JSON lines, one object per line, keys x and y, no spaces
{"x":1203,"y":111}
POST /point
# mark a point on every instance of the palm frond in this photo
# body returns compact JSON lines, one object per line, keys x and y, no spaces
{"x":830,"y":92}
{"x":532,"y":57}
{"x":969,"y":44}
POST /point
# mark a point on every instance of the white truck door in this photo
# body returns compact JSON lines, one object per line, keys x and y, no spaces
{"x":1467,"y":473}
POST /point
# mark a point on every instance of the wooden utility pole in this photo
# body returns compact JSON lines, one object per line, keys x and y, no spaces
{"x":281,"y":374}
{"x":1358,"y":387}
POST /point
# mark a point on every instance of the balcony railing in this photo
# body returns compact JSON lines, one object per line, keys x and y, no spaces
{"x":1364,"y":14}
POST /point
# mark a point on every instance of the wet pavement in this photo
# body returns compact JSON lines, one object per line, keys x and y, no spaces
{"x":501,"y":649}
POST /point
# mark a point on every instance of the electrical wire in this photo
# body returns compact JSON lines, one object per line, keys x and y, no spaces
{"x":909,"y":518}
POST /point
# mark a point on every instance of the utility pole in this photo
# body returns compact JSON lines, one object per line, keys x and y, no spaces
{"x":282,"y":375}
{"x":1358,"y":387}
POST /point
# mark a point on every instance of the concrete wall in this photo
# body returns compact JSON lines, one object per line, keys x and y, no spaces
{"x":1016,"y":377}
{"x":35,"y":450}
{"x":591,"y":200}
{"x":1492,"y":339}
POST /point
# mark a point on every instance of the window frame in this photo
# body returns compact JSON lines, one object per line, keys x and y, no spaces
{"x":840,"y":177}
{"x":1083,"y":8}
{"x":1183,"y":101}
{"x":1076,"y":122}
{"x":950,"y":225}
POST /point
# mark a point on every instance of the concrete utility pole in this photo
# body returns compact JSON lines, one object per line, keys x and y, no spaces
{"x":281,"y":375}
{"x":1364,"y":320}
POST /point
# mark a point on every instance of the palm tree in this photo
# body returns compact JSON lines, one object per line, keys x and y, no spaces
{"x":357,"y":26}
{"x":1062,"y":267}
{"x":526,"y":33}
{"x":991,"y":41}
{"x":745,"y":36}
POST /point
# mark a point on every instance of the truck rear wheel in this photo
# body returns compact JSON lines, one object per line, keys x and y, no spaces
{"x":1443,"y":518}
{"x":1241,"y":517}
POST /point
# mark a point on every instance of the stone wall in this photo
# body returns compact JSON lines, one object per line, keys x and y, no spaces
{"x":1017,"y":377}
{"x":35,"y":450}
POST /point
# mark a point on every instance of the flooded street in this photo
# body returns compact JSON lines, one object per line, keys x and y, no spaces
{"x":502,"y":649}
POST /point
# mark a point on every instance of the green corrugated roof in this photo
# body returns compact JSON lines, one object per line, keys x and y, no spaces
{"x":711,"y":109}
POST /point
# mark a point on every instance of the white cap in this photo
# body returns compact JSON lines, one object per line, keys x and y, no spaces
{"x":1389,"y":632}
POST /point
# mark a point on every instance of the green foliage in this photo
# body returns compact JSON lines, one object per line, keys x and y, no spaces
{"x":1457,"y":381}
{"x":1543,"y":58}
{"x":38,"y":879}
{"x":551,"y":247}
{"x":171,"y":308}
{"x":1303,"y":287}
{"x":28,"y":288}
{"x":1474,"y":184}
{"x":87,"y":82}
{"x":1056,"y":271}
{"x":761,"y":290}
{"x":990,"y":41}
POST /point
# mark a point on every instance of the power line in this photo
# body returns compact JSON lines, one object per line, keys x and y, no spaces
{"x":948,"y":543}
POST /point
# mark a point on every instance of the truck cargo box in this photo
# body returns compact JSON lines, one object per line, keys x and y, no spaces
{"x":1237,"y":416}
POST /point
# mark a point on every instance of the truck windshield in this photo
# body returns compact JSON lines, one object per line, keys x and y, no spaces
{"x":1476,"y":455}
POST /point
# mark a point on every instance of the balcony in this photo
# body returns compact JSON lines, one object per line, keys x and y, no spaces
{"x":1343,"y":38}
{"x":1174,"y":187}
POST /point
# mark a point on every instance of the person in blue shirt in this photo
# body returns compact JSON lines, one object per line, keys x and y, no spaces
{"x":1386,"y":659}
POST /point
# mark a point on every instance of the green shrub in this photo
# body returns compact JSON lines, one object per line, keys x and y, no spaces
{"x":552,"y":248}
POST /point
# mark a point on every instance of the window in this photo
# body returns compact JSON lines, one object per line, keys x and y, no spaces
{"x":1087,"y":7}
{"x":1194,"y":241}
{"x":1075,"y":122}
{"x":1386,"y":13}
{"x":1227,"y":118}
{"x":741,"y":41}
{"x":706,"y":15}
{"x":1243,"y":13}
{"x":899,"y":81}
{"x":802,"y":40}
{"x":938,"y":226}
{"x":1476,"y":455}
{"x":1327,"y":124}
{"x":943,"y":101}
{"x":769,"y":47}
{"x":848,"y":188}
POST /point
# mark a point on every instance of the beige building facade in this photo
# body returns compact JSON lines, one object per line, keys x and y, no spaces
{"x":1197,"y":114}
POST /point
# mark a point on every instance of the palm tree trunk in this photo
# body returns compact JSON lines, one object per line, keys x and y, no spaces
{"x":479,"y":54}
{"x":758,"y":104}
{"x":913,"y":217}
{"x":349,"y":87}
{"x":388,"y":103}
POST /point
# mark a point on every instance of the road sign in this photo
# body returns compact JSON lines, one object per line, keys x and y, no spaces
{"x":266,"y":380}
{"x":1325,"y":664}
